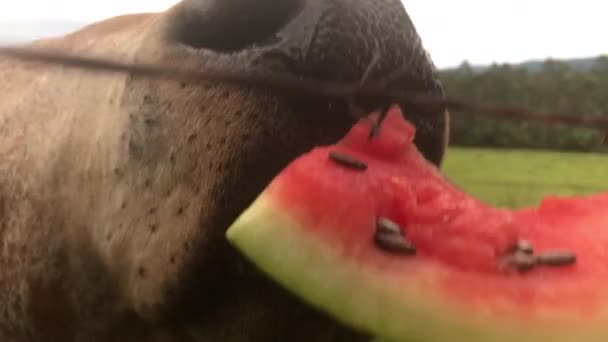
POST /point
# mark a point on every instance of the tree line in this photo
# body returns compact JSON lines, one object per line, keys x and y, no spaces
{"x":555,"y":86}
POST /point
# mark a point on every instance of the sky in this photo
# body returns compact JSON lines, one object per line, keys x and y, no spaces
{"x":481,"y":32}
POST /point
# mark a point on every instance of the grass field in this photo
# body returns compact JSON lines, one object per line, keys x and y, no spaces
{"x":514,"y":178}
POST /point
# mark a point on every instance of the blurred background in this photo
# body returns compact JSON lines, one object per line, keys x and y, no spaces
{"x":545,"y":55}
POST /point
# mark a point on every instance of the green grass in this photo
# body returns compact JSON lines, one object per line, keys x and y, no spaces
{"x":515,"y":178}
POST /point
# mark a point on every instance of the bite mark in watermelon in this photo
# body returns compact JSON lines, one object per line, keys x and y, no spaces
{"x":312,"y":230}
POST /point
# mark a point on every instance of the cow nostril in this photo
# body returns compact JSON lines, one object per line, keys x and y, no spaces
{"x":231,"y":25}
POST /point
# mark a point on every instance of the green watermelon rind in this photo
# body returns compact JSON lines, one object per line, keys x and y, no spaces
{"x":269,"y":238}
{"x":314,"y":271}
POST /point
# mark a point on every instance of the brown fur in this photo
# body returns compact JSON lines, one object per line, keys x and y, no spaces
{"x":115,"y":193}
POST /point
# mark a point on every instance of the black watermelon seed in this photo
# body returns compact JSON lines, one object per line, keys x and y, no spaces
{"x":386,"y":226}
{"x":394,"y":243}
{"x":347,"y":161}
{"x":556,"y":258}
{"x":522,"y":261}
{"x":525,"y":246}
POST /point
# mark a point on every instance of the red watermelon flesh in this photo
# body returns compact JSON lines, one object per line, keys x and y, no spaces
{"x":313,"y":228}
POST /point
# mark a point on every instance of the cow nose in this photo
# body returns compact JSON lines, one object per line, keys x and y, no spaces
{"x":230,"y":26}
{"x":322,"y":40}
{"x":332,"y":40}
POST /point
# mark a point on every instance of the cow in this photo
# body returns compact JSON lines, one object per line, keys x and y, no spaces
{"x":116,"y":190}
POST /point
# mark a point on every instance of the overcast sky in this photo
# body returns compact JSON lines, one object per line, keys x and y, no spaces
{"x":479,"y":31}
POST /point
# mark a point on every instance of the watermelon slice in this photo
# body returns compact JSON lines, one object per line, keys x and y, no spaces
{"x":372,"y":234}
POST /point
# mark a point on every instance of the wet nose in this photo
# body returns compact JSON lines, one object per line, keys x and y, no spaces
{"x":324,"y":39}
